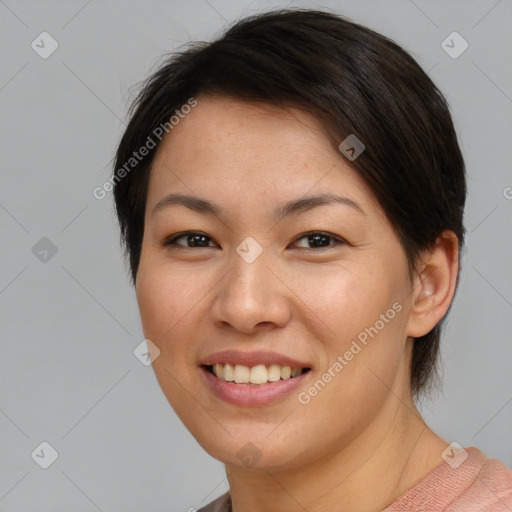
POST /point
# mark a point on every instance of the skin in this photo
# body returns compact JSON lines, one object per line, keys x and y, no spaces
{"x":362,"y":431}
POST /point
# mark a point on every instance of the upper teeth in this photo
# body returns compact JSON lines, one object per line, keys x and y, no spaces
{"x":259,"y":374}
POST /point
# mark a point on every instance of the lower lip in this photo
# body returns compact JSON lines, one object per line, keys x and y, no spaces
{"x":252,"y":395}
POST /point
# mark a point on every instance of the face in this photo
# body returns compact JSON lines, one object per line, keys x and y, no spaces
{"x":235,"y":279}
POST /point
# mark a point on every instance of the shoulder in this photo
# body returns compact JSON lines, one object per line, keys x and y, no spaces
{"x":470,"y":482}
{"x":491,"y":489}
{"x":221,"y":504}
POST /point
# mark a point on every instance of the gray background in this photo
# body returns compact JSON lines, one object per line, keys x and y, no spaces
{"x":69,"y":325}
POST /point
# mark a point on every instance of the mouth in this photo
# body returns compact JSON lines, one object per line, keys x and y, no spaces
{"x":253,"y":379}
{"x":256,"y":375}
{"x":253,"y":386}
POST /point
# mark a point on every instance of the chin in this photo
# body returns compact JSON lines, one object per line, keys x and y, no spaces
{"x":253,"y":449}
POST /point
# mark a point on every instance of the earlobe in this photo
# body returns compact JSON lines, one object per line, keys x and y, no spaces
{"x":434,"y":285}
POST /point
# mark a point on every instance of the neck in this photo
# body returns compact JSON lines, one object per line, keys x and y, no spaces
{"x":387,"y":458}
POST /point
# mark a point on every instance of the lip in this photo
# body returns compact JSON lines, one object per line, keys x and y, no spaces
{"x":252,"y":359}
{"x":252,"y":395}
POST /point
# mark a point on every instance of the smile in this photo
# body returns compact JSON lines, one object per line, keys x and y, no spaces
{"x":247,"y":393}
{"x":258,"y":374}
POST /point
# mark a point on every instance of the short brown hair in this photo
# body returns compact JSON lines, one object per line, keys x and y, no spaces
{"x":355,"y":81}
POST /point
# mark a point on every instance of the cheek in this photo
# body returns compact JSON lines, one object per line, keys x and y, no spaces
{"x":348,"y":302}
{"x":155,"y":301}
{"x":165,"y":297}
{"x":366,"y":323}
{"x":163,"y":306}
{"x":166,"y":301}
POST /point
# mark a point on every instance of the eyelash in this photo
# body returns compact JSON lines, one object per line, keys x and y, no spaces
{"x":171,"y":242}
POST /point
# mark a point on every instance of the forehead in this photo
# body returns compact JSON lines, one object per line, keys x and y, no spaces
{"x":235,"y":148}
{"x":223,"y":123}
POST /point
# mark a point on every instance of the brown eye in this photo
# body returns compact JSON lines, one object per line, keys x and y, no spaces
{"x":319,"y":240}
{"x":192,"y":239}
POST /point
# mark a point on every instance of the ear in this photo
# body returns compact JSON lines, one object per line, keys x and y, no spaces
{"x":434,"y":284}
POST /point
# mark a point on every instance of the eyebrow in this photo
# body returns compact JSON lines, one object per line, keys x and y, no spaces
{"x":287,"y":209}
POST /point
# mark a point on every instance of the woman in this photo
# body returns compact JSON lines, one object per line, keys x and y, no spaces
{"x":291,"y":200}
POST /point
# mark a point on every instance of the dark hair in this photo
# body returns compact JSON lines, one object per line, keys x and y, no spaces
{"x":354,"y":81}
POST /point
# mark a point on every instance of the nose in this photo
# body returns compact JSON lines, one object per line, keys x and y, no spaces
{"x":252,"y":296}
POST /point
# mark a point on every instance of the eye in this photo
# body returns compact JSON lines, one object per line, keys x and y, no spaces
{"x":319,"y":240}
{"x":194,"y":238}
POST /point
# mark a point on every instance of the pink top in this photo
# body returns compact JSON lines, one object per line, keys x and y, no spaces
{"x":478,"y":484}
{"x":472,"y":484}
